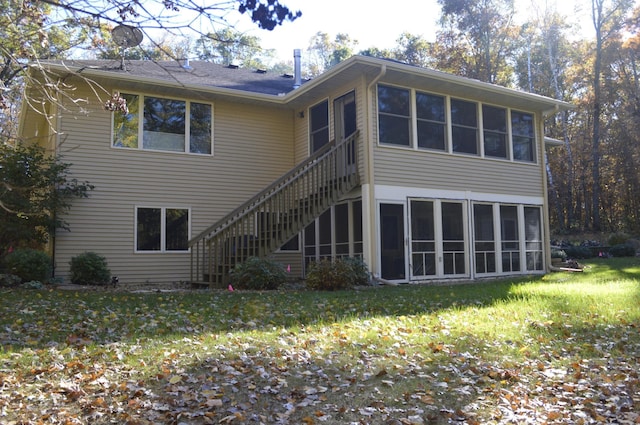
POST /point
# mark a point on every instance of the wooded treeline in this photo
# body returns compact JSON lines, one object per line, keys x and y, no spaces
{"x":594,"y":181}
{"x":594,"y":178}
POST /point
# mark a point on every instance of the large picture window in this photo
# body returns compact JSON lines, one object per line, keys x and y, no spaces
{"x":162,"y":229}
{"x":167,"y":125}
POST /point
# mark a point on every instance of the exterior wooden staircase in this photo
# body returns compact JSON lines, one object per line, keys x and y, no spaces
{"x":275,"y":215}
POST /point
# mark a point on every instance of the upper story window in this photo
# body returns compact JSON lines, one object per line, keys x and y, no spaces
{"x":394,"y":120}
{"x":167,"y":125}
{"x":438,"y":122}
{"x":464,"y":126}
{"x":432,"y":125}
{"x":523,"y":136}
{"x":319,"y":123}
{"x":494,"y":124}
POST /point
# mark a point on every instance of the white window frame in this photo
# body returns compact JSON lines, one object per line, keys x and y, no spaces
{"x":163,"y":230}
{"x":187,"y":126}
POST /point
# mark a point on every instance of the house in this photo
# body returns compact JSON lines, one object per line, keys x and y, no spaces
{"x":425,"y":175}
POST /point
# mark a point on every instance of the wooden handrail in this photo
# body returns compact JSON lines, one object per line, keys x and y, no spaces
{"x":277,"y":213}
{"x":302,"y":165}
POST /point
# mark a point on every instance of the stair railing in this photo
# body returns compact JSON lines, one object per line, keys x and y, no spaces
{"x":264,"y":223}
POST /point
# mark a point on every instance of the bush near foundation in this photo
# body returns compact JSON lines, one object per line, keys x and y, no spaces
{"x":342,"y":273}
{"x":28,"y":264}
{"x":89,"y":268}
{"x":258,"y":274}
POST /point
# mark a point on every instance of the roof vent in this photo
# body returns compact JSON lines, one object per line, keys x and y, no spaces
{"x":297,"y":68}
{"x":232,"y":66}
{"x":261,"y":71}
{"x":184,"y":63}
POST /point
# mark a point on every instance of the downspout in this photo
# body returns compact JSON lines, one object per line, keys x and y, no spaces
{"x":545,"y":212}
{"x":373,"y":241}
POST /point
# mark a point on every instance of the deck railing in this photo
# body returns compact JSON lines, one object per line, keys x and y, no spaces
{"x":264,"y":223}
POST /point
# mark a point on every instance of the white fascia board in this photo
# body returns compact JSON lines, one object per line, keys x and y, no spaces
{"x":401,"y":193}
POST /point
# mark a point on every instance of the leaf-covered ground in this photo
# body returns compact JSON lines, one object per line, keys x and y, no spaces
{"x":563,"y":349}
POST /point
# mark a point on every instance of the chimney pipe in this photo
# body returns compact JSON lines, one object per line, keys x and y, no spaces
{"x":297,"y":69}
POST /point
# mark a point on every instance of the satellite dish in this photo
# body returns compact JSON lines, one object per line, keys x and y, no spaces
{"x":126,"y":36}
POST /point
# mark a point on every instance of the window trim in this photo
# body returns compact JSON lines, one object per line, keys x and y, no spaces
{"x":163,"y":230}
{"x":187,"y":126}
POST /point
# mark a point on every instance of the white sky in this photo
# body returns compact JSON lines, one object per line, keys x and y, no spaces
{"x":378,"y":23}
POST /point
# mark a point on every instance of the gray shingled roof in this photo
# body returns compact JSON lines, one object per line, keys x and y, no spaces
{"x":199,"y":73}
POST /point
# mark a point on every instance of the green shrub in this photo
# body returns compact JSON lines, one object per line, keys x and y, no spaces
{"x":89,"y":268}
{"x":29,"y":264}
{"x":343,"y":273}
{"x":622,"y":250}
{"x":34,"y":284}
{"x":9,"y":280}
{"x":618,"y":238}
{"x":558,"y":253}
{"x":578,"y":252}
{"x":358,"y":270}
{"x":258,"y":274}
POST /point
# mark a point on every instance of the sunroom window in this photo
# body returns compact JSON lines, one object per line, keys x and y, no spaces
{"x":494,"y":125}
{"x":167,"y":125}
{"x":430,"y":111}
{"x":394,"y":121}
{"x":523,"y":136}
{"x":464,"y":126}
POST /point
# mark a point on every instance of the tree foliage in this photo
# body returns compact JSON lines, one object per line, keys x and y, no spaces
{"x":480,"y":35}
{"x":35,"y":190}
{"x":324,"y":52}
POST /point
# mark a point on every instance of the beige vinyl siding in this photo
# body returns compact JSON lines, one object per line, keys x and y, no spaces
{"x":292,"y":259}
{"x":414,"y":168}
{"x":252,"y":147}
{"x":400,"y":166}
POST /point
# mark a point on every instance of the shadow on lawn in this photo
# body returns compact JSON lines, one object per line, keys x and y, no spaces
{"x":39,"y":319}
{"x":295,"y":379}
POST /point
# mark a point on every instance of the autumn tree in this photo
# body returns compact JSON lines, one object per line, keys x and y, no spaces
{"x":324,"y":52}
{"x":413,"y":49}
{"x":607,"y":17}
{"x":35,"y":189}
{"x":229,"y":46}
{"x":545,"y":55}
{"x":475,"y":39}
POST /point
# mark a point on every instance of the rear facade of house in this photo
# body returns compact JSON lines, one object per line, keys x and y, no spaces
{"x":440,"y":177}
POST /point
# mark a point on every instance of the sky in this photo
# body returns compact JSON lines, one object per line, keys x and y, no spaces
{"x":377,"y":23}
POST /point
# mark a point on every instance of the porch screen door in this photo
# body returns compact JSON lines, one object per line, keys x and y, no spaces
{"x":423,"y":239}
{"x":392,"y":258}
{"x":453,"y":240}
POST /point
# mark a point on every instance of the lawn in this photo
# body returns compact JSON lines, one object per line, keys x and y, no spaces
{"x":558,"y":349}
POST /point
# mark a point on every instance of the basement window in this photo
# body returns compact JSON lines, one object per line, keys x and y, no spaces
{"x":160,"y":229}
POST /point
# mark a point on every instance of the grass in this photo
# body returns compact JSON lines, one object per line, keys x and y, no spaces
{"x":562,"y":348}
